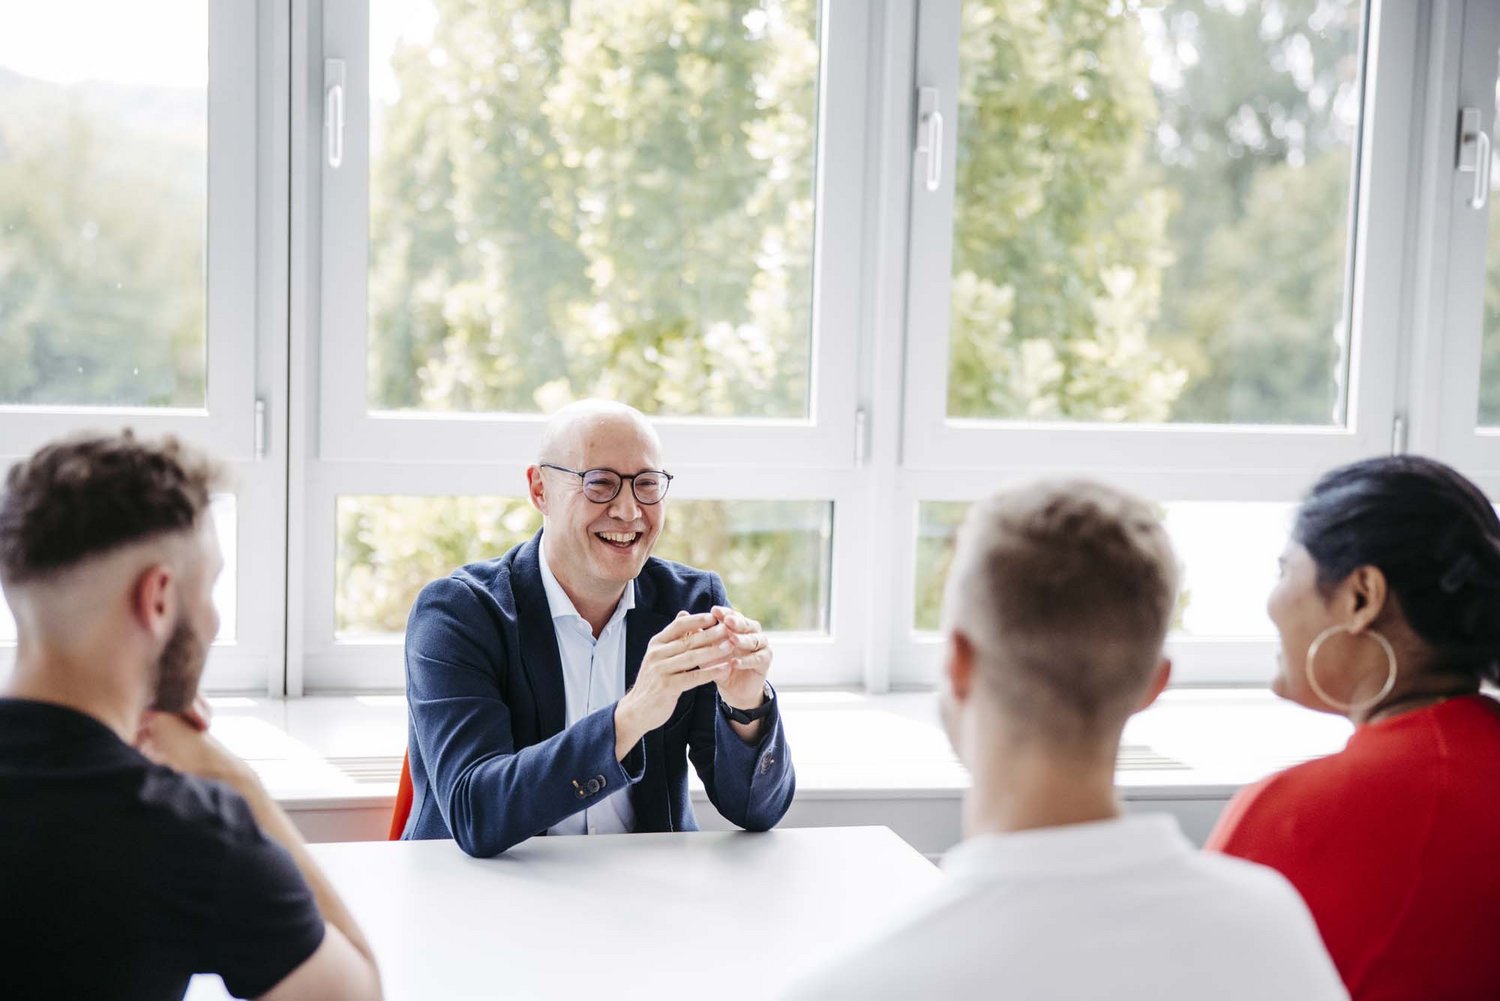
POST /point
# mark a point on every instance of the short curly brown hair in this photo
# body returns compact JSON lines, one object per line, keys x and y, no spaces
{"x":89,"y":493}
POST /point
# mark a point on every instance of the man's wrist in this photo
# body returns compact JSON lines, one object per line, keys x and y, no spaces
{"x":749,"y":713}
{"x":627,"y":734}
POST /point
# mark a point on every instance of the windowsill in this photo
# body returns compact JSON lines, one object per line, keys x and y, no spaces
{"x":344,"y":752}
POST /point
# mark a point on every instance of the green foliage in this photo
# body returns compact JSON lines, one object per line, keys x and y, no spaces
{"x":616,"y":198}
{"x":771,"y":554}
{"x":1489,"y":369}
{"x":1058,"y":237}
{"x":606,"y":199}
{"x":1256,"y":144}
{"x":390,"y":547}
{"x":102,"y":198}
{"x":1269,"y":351}
{"x":1124,"y":180}
{"x":598,"y":198}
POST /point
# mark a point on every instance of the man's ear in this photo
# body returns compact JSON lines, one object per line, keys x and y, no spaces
{"x":959,"y":666}
{"x":536,"y":488}
{"x":153,"y":600}
{"x":1159,"y":679}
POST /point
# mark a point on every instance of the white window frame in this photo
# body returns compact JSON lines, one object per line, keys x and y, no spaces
{"x":286,"y":269}
{"x":351,"y":451}
{"x":239,"y":361}
{"x":1445,"y":374}
{"x":878,"y":317}
{"x":945,"y":459}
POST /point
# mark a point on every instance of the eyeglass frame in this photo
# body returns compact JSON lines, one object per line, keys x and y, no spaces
{"x":618,"y":486}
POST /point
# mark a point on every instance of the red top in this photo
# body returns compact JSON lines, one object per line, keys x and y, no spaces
{"x":1395,"y":844}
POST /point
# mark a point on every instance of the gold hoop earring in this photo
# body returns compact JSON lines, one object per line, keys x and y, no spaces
{"x":1349,"y":707}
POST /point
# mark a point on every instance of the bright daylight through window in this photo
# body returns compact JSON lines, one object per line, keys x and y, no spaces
{"x":1199,"y":248}
{"x":571,"y":200}
{"x":1151,"y":218}
{"x":103,"y":205}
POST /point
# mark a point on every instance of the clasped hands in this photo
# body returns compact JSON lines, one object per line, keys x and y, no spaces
{"x":719,"y":645}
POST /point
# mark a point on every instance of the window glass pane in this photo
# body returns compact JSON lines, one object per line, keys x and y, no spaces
{"x":226,"y":588}
{"x":390,"y":547}
{"x":772,"y":555}
{"x":103,"y":181}
{"x":601,"y":197}
{"x":1489,"y":370}
{"x":1227,"y":549}
{"x":1151,"y":210}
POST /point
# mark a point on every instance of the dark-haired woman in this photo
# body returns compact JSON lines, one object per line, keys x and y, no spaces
{"x":1388,"y":610}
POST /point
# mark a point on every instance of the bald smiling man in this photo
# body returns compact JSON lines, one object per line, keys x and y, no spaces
{"x":562,"y":688}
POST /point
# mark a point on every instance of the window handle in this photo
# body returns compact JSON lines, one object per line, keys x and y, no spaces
{"x":930,"y":144}
{"x":1481,"y":195}
{"x":1474,"y":149}
{"x":333,"y":110}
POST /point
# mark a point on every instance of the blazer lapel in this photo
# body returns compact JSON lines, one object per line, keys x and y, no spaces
{"x":538,"y":639}
{"x":641,"y":623}
{"x":650,"y":798}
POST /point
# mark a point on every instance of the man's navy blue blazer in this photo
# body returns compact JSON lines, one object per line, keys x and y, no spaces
{"x":491,"y":761}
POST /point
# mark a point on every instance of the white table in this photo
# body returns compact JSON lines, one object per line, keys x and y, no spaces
{"x":635,"y":915}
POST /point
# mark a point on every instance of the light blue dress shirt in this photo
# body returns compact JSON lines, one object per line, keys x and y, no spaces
{"x":593,"y":677}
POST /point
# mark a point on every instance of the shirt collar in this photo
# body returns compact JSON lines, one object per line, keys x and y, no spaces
{"x":1122,"y":844}
{"x":562,"y":606}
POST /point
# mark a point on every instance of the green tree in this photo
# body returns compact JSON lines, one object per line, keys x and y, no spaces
{"x":102,"y":200}
{"x":1256,"y":139}
{"x":598,"y":198}
{"x":1058,"y":240}
{"x":595,"y":198}
{"x":769,"y":553}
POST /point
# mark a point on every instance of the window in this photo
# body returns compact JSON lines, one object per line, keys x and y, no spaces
{"x":553,"y":201}
{"x":772,"y":555}
{"x":592,"y":199}
{"x":1150,"y":211}
{"x":128,"y":268}
{"x":1489,"y":372}
{"x":863,"y":260}
{"x":1227,"y":554}
{"x":1460,"y":369}
{"x":103,"y":178}
{"x":1147,"y":239}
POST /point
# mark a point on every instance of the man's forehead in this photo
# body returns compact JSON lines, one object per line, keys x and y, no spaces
{"x":611,"y":440}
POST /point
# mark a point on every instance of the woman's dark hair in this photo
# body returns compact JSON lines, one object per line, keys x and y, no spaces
{"x":1435,"y":537}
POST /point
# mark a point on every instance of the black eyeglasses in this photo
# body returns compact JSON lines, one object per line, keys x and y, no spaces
{"x":603,"y":485}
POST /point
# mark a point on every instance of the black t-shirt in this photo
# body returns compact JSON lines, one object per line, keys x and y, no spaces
{"x":120,"y":878}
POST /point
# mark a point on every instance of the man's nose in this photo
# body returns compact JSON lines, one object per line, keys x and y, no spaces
{"x":625,"y":507}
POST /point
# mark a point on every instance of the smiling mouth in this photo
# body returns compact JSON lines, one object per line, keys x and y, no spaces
{"x":618,"y":540}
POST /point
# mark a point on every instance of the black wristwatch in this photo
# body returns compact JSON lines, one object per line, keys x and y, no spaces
{"x":768,"y":702}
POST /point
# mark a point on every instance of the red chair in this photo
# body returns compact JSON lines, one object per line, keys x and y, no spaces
{"x":403,"y":800}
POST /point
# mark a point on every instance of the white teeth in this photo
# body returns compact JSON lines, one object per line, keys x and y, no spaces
{"x":622,"y":537}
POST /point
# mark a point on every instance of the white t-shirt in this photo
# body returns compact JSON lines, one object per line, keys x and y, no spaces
{"x":1121,"y":909}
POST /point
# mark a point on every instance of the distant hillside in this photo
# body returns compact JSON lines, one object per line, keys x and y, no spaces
{"x":161,"y":130}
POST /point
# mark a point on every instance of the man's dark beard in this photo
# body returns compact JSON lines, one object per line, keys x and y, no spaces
{"x":178,"y":669}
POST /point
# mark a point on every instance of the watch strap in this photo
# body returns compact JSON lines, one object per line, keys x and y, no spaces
{"x":768,"y":703}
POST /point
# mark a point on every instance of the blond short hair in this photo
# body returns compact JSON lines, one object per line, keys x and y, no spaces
{"x":1065,"y":589}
